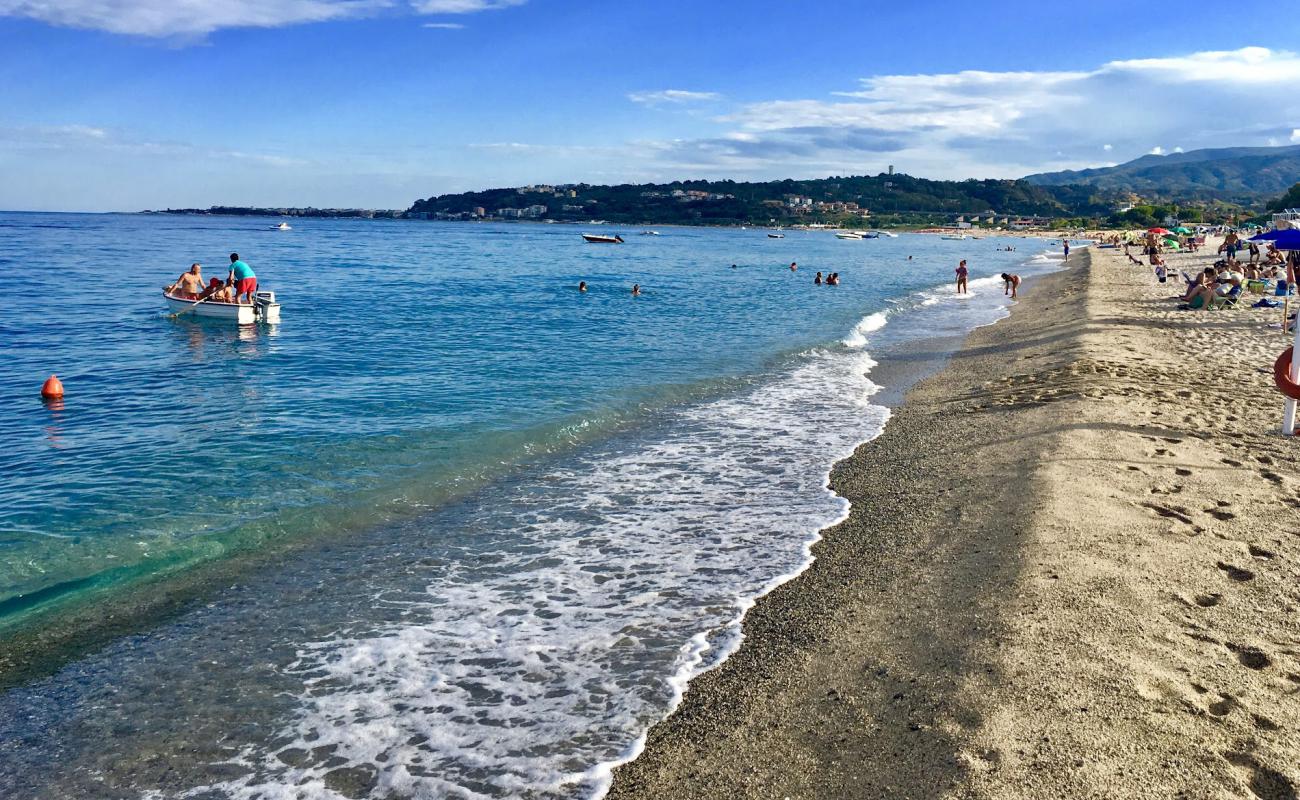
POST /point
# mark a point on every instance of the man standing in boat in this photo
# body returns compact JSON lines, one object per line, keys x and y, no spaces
{"x":242,"y":278}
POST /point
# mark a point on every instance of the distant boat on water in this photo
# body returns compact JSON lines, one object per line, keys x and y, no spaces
{"x":283,"y":226}
{"x":953,"y":236}
{"x":649,"y":233}
{"x":776,"y":236}
{"x":595,"y":238}
{"x":887,"y":234}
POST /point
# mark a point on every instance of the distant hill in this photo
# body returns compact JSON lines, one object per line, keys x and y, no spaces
{"x":890,"y":199}
{"x":1238,"y":174}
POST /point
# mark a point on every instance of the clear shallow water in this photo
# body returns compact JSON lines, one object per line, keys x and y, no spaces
{"x":559,"y":504}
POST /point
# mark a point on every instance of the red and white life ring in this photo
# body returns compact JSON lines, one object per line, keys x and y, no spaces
{"x":1282,"y":375}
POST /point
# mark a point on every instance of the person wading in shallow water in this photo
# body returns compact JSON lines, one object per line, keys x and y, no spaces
{"x":1010,"y":284}
{"x":961,"y":277}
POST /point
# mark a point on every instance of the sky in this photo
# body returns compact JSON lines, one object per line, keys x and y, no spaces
{"x":115,"y":105}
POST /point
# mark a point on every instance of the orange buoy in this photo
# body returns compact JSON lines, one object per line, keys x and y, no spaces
{"x":1282,"y":375}
{"x":53,"y":389}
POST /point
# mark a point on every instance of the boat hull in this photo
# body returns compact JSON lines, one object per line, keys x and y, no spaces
{"x":594,"y":239}
{"x":240,"y":314}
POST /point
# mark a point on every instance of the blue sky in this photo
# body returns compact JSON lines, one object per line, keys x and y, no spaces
{"x":120,"y":105}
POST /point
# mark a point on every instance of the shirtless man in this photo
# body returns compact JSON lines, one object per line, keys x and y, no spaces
{"x":1010,"y":284}
{"x":189,"y":284}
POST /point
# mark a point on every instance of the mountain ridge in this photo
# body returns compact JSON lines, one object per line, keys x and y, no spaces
{"x":1244,"y":174}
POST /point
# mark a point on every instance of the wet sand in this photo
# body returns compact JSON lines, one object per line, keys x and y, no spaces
{"x":1071,"y":569}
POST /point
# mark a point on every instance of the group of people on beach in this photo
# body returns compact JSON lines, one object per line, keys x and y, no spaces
{"x":1222,"y":283}
{"x":239,"y":286}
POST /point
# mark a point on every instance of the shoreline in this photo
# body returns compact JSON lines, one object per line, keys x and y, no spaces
{"x":965,"y":631}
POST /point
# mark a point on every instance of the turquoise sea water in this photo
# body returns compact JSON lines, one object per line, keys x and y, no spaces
{"x":544,"y":509}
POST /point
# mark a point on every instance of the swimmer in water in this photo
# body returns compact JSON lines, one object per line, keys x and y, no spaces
{"x":582,"y":286}
{"x":636,"y":290}
{"x":818,"y":280}
{"x":793,"y":266}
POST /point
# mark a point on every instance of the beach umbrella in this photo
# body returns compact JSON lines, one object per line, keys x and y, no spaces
{"x":1267,"y":236}
{"x":1288,"y":239}
{"x":1181,"y":229}
{"x":1157,"y":230}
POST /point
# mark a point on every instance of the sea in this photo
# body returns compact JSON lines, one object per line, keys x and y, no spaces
{"x":452,"y":529}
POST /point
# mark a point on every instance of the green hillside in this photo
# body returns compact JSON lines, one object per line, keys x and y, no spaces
{"x":900,"y":197}
{"x":1235,"y":174}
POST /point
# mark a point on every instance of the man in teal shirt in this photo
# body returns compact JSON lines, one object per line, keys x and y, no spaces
{"x":242,"y":278}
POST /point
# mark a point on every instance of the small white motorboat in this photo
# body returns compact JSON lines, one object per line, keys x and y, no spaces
{"x":957,"y":236}
{"x":595,"y":238}
{"x":263,"y":309}
{"x":850,"y":235}
{"x":887,"y":234}
{"x":283,"y":226}
{"x":649,"y":233}
{"x":776,"y":236}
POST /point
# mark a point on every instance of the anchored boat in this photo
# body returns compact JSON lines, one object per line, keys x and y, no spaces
{"x":263,"y":309}
{"x":595,"y":238}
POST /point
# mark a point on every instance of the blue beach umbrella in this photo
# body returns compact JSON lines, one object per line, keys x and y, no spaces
{"x":1288,"y":239}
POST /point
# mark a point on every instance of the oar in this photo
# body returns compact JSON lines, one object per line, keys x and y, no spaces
{"x":191,"y":308}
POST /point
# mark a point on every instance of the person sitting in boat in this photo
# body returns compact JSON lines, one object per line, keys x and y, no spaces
{"x":217,"y":292}
{"x":242,"y":279}
{"x":189,"y":284}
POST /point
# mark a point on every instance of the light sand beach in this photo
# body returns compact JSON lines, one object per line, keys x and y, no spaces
{"x":1072,"y":569}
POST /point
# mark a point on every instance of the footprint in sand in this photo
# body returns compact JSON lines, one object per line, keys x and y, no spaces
{"x":1232,"y":462}
{"x":1236,"y":573}
{"x":1208,"y":599}
{"x":1182,"y":472}
{"x":1176,"y":512}
{"x":1250,"y":657}
{"x":1259,"y":552}
{"x":1265,"y":782}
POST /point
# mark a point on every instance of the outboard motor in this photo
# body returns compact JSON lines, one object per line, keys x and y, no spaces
{"x":267,"y":309}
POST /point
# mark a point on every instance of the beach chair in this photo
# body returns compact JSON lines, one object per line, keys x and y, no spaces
{"x":1228,"y":300}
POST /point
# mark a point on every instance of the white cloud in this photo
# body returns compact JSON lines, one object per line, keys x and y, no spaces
{"x":677,"y":96}
{"x":160,"y":18}
{"x":197,"y":18}
{"x":1005,"y":124}
{"x":1156,"y":151}
{"x":1178,"y":149}
{"x":461,"y":6}
{"x":449,"y":26}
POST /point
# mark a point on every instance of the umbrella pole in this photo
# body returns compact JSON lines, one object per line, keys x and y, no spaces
{"x":1289,"y":408}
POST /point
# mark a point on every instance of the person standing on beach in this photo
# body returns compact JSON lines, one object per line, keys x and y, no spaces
{"x":1066,"y":244}
{"x":242,"y":278}
{"x":1010,"y":284}
{"x":961,"y":277}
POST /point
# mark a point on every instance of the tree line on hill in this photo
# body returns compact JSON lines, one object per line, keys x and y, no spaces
{"x":898,"y":198}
